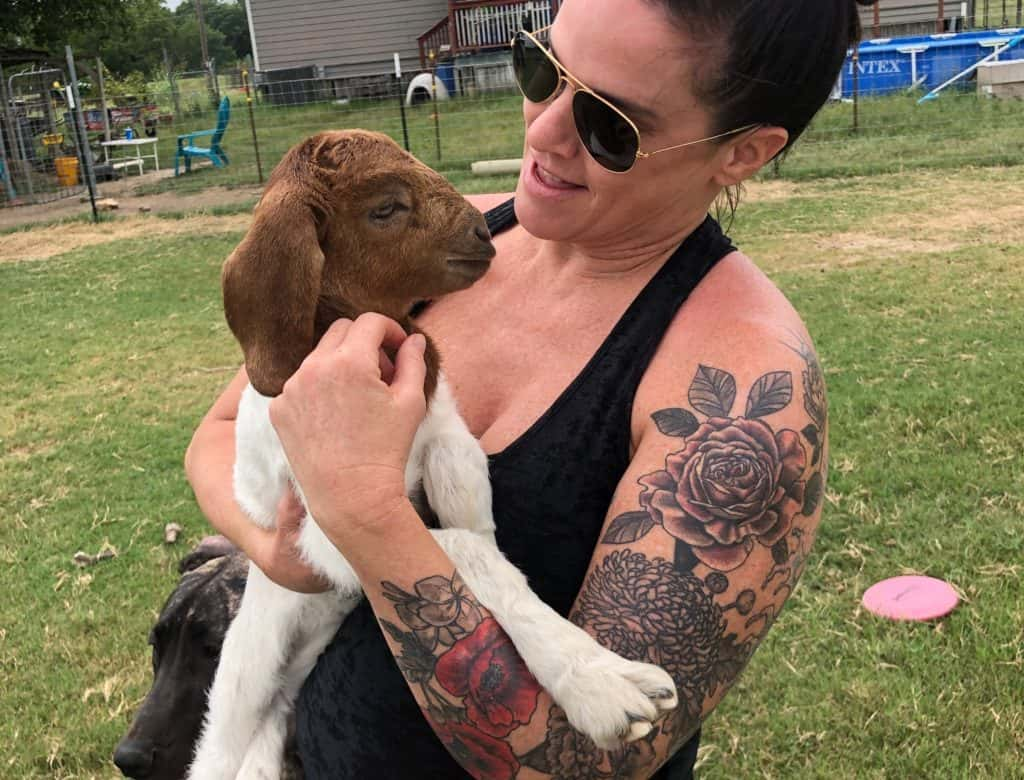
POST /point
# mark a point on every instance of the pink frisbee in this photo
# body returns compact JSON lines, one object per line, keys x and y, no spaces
{"x":911,"y":598}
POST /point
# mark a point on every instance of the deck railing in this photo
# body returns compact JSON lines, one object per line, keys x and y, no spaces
{"x":479,"y":25}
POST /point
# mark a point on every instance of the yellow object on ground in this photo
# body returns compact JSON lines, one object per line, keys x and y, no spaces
{"x":67,"y":170}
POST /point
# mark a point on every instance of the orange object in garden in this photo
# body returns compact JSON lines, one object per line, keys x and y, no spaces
{"x":67,"y":170}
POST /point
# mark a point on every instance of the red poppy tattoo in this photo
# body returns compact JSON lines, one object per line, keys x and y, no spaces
{"x":484,"y":668}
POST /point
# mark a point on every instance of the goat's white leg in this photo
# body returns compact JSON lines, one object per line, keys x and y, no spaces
{"x":323,"y":615}
{"x":609,"y":698}
{"x":263,"y":760}
{"x":454,"y":466}
{"x":255,"y":651}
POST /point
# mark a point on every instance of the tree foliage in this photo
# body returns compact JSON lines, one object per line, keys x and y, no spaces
{"x":129,"y":35}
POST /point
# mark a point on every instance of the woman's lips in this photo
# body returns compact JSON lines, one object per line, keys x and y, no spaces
{"x":551,"y":180}
{"x":546,"y":183}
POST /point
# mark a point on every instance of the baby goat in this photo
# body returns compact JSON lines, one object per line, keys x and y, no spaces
{"x":350,"y":223}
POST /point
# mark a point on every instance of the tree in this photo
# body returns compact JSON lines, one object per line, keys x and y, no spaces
{"x":229,"y":18}
{"x":133,"y":43}
{"x":48,"y":24}
{"x":224,"y":18}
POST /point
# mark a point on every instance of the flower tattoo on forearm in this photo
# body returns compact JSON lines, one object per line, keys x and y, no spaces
{"x":735,"y":489}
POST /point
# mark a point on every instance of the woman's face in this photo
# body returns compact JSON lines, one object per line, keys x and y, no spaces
{"x":629,"y":52}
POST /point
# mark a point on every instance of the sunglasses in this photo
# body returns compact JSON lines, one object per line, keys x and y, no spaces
{"x":609,"y":136}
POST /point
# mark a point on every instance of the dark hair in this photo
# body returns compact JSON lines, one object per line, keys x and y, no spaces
{"x":779,"y":59}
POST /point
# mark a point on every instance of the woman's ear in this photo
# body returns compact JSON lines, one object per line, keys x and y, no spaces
{"x":745,"y":155}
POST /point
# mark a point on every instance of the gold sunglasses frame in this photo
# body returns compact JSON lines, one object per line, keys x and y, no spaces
{"x":579,"y":86}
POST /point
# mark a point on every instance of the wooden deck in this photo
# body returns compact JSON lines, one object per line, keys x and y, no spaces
{"x":481,"y":25}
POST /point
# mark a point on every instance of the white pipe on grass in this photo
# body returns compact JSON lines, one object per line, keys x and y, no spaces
{"x":496,"y":167}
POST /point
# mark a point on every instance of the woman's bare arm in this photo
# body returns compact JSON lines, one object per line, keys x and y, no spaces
{"x":209,"y":463}
{"x":705,"y":539}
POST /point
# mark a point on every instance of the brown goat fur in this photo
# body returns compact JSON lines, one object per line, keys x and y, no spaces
{"x":349,"y":223}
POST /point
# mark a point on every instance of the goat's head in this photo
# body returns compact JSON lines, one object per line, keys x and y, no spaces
{"x":349,"y":223}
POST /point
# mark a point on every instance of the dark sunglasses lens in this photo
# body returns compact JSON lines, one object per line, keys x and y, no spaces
{"x":535,"y":73}
{"x":605,"y":134}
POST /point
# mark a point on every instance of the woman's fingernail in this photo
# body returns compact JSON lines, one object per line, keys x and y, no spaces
{"x":420,"y":342}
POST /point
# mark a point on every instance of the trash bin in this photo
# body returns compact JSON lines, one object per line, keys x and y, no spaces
{"x":446,"y":73}
{"x":67,"y":170}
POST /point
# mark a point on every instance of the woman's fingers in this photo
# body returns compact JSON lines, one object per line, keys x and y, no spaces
{"x":410,"y":370}
{"x":335,"y":335}
{"x":372,"y":332}
{"x":290,"y":512}
{"x":358,"y":339}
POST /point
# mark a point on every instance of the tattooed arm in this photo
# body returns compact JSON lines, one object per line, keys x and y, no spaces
{"x":706,"y":537}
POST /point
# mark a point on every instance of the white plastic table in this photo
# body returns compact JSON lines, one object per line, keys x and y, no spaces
{"x":133,"y":155}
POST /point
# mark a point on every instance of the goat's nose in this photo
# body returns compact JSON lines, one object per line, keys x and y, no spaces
{"x":482,"y":232}
{"x":134,"y":759}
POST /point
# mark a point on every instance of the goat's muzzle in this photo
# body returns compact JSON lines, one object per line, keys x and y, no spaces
{"x":479,"y":251}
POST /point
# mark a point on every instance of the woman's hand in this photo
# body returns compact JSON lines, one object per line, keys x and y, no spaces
{"x":347,"y":430}
{"x":276,"y":550}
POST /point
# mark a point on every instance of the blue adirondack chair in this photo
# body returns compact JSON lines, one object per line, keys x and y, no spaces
{"x":214,"y":152}
{"x":5,"y":178}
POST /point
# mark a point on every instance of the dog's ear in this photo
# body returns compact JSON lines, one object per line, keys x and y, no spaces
{"x":209,"y":548}
{"x":271,"y":281}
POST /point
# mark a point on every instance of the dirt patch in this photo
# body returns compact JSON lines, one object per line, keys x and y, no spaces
{"x":125,"y":192}
{"x":1001,"y":221}
{"x":43,"y":242}
{"x":762,"y":191}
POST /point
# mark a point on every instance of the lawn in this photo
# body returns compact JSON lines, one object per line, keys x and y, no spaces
{"x":888,"y":135}
{"x":912,"y":285}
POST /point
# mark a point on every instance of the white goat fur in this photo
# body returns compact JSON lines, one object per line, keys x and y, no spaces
{"x":277,"y":635}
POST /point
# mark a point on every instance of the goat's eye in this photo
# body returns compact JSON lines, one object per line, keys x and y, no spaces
{"x":386,"y":211}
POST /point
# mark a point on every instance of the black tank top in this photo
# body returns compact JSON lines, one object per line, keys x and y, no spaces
{"x":356,"y":717}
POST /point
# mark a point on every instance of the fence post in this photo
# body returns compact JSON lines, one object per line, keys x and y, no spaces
{"x":174,"y":87}
{"x":103,"y":99}
{"x":211,"y":74}
{"x":401,"y":100}
{"x":8,"y":173}
{"x":16,"y":138}
{"x":856,"y":88}
{"x":83,"y":139}
{"x":436,"y":105}
{"x":252,"y":123}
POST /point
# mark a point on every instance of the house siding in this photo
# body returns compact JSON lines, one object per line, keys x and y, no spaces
{"x":892,"y":13}
{"x":344,"y":37}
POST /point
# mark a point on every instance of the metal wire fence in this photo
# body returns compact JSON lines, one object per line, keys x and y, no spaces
{"x":453,"y":117}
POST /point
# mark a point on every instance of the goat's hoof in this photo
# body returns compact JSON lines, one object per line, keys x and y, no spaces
{"x":613,"y":700}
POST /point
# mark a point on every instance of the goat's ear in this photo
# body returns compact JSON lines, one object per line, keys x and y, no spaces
{"x":271,"y":283}
{"x":209,"y":548}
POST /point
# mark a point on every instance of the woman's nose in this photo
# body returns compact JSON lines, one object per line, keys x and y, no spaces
{"x":550,"y":127}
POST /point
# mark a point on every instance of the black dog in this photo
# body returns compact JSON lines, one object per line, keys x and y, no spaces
{"x":186,"y":644}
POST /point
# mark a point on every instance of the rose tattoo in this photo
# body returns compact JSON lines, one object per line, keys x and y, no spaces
{"x":734,"y":483}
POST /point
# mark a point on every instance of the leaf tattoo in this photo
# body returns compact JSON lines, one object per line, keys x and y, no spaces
{"x":771,"y":393}
{"x":628,"y":527}
{"x":712,"y":391}
{"x":676,"y":422}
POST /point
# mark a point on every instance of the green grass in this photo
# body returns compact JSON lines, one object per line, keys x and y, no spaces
{"x":109,"y":355}
{"x":469,"y":129}
{"x":891,"y":134}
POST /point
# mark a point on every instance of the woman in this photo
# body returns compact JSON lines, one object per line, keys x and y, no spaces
{"x":653,"y":409}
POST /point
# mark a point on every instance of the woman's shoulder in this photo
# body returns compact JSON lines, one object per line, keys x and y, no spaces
{"x":737,"y":322}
